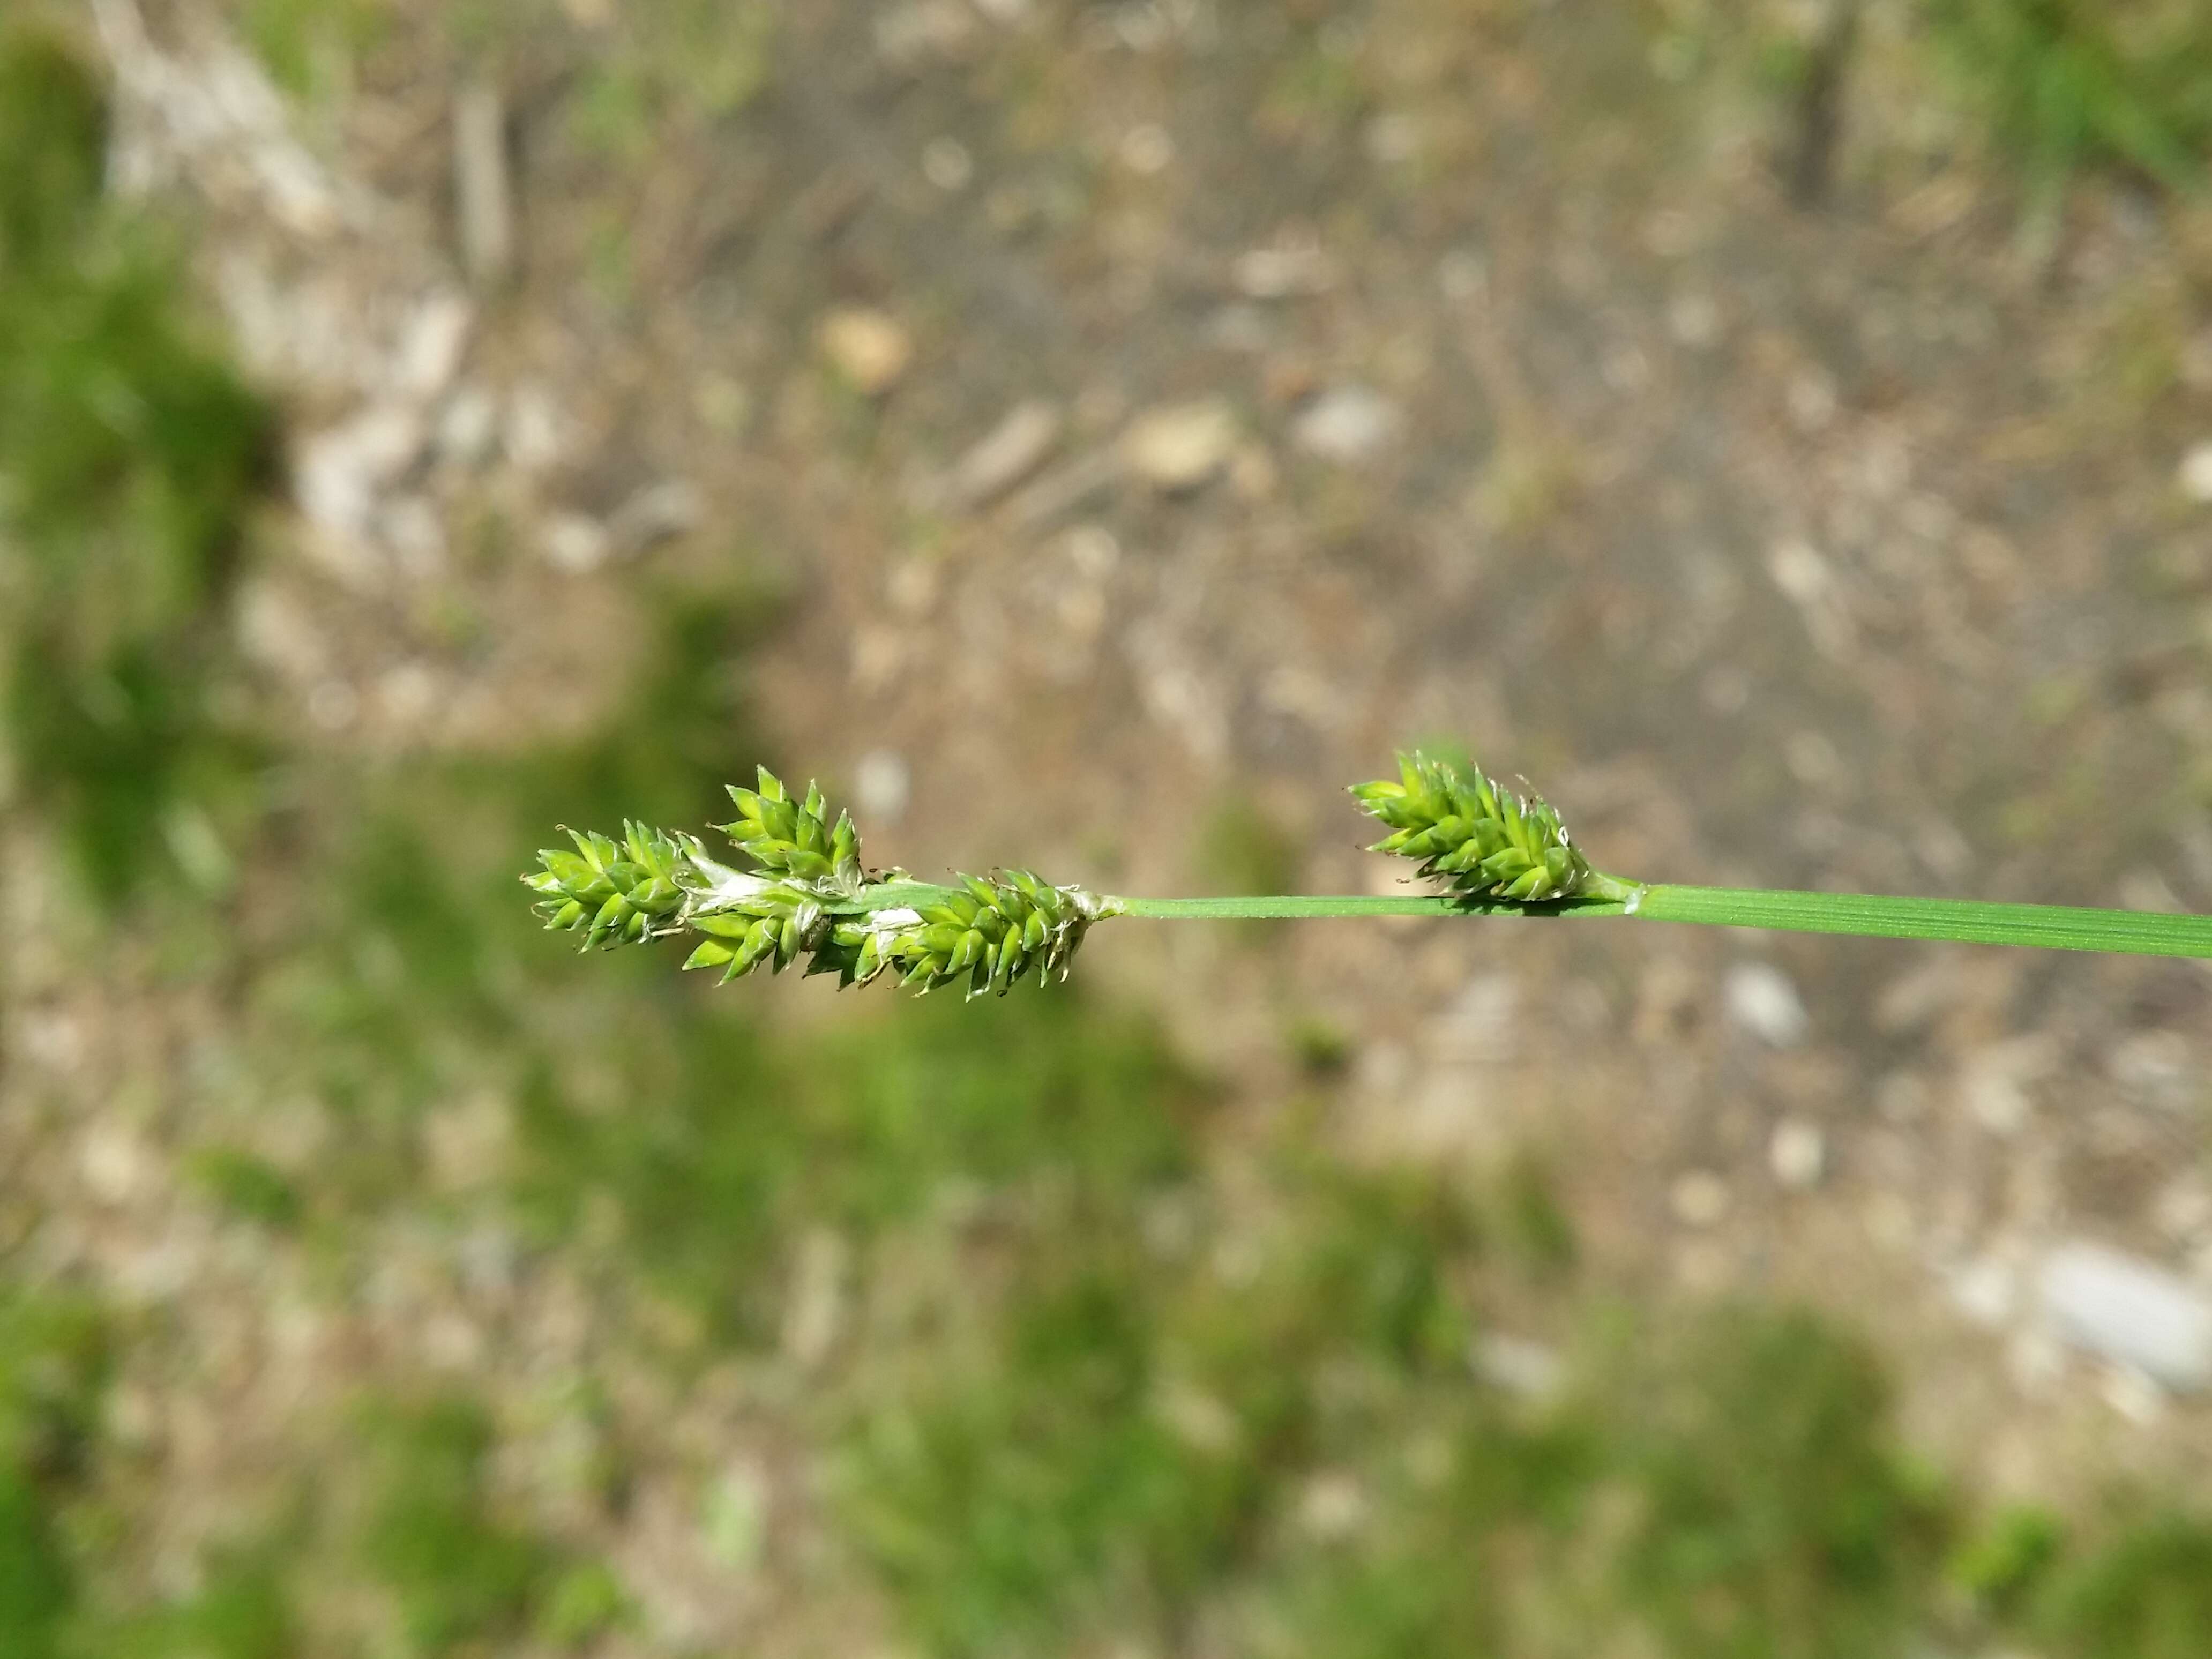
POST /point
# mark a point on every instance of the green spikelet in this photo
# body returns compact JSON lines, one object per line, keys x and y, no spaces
{"x":1486,"y":841}
{"x":771,"y":926}
{"x":796,"y":838}
{"x":810,"y":898}
{"x":990,"y":932}
{"x":616,"y":892}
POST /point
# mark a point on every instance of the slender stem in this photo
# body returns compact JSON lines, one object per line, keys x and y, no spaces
{"x":2047,"y":926}
{"x":1285,"y":906}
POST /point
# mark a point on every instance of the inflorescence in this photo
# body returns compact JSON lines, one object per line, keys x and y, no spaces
{"x":807,"y":893}
{"x":808,"y":896}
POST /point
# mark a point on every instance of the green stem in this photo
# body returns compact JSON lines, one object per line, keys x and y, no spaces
{"x":2048,"y":927}
{"x":1972,"y":921}
{"x":1284,"y":906}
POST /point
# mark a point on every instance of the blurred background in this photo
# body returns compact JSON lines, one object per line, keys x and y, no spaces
{"x":1089,"y":435}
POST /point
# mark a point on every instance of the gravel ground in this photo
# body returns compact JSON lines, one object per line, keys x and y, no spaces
{"x":1148,"y":416}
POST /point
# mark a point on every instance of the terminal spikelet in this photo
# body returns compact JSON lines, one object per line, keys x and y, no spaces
{"x":1487,"y":842}
{"x":809,"y":896}
{"x":616,"y":892}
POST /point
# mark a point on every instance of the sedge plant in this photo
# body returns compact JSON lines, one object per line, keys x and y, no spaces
{"x":806,"y":896}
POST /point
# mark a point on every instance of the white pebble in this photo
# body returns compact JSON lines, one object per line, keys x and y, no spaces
{"x":575,"y":542}
{"x":1147,"y":150}
{"x":1993,"y":1082}
{"x":2195,"y":474}
{"x":469,"y":427}
{"x":1007,"y":454}
{"x":1985,"y":1290}
{"x":1347,"y":424}
{"x":946,"y":163}
{"x":1700,"y":1198}
{"x":2130,"y":1312}
{"x":1762,"y":1001}
{"x":2135,"y":1396}
{"x":1798,"y":1153}
{"x":1533,"y":1370}
{"x":870,"y":349}
{"x":1334,"y":1505}
{"x":1180,"y":447}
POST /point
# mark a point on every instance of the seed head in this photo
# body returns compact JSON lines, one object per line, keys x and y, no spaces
{"x":809,"y":896}
{"x":1486,"y":841}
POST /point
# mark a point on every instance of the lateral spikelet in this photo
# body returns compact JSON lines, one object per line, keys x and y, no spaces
{"x":1486,"y":841}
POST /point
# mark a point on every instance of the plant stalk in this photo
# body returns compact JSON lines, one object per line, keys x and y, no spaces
{"x":1291,"y":906}
{"x":1968,"y":922}
{"x":1498,"y":853}
{"x":1868,"y":915}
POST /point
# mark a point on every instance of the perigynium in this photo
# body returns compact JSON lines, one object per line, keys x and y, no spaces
{"x":1495,"y":853}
